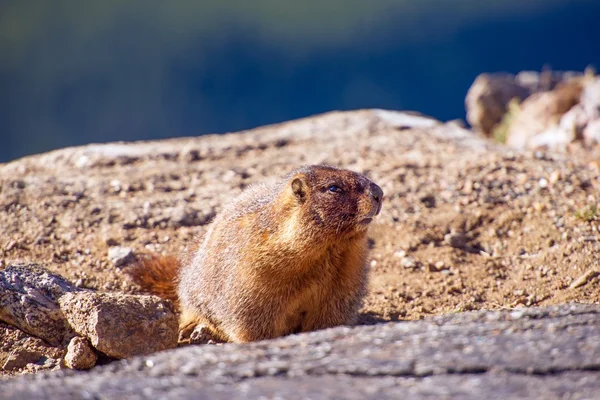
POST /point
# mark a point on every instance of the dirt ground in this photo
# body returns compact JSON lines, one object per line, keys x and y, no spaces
{"x":466,"y":224}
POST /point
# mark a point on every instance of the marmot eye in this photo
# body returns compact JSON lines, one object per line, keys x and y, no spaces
{"x":334,"y":189}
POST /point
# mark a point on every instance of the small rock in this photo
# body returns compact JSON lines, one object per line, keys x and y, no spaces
{"x":120,"y":256}
{"x":19,"y":358}
{"x":191,"y":155}
{"x":400,"y":254}
{"x":409,"y":262}
{"x":184,"y":216}
{"x":554,"y":177}
{"x":456,"y":240}
{"x":200,"y":335}
{"x":585,"y":278}
{"x":428,"y":201}
{"x":10,"y":245}
{"x":115,"y":185}
{"x":111,"y":241}
{"x":80,"y":354}
{"x":122,"y":325}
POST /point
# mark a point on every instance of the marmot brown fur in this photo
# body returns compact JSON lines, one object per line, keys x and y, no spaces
{"x":279,"y":259}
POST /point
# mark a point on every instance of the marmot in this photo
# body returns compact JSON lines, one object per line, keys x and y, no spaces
{"x":279,"y":259}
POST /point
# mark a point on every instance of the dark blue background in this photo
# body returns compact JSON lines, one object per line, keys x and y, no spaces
{"x":73,"y":74}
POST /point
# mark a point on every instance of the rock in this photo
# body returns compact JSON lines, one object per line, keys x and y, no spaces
{"x":29,"y":300}
{"x":488,"y":97}
{"x":121,"y":325}
{"x":590,"y":97}
{"x":428,"y":200}
{"x":591,"y":133}
{"x":585,"y":278}
{"x":80,"y":354}
{"x":590,"y":102}
{"x":409,"y":262}
{"x":535,"y":81}
{"x":19,"y":358}
{"x":47,"y":306}
{"x":120,"y":256}
{"x":541,"y":353}
{"x":184,"y":216}
{"x":555,"y":118}
{"x":540,"y":113}
{"x":456,"y":240}
{"x":544,"y":100}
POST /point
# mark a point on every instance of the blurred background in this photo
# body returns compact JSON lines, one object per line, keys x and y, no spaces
{"x":75,"y":72}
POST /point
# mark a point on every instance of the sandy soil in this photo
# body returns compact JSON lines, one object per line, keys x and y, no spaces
{"x":466,"y":224}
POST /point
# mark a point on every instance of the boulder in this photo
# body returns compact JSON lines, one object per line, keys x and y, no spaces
{"x":553,"y":119}
{"x":488,"y":97}
{"x":122,"y":325}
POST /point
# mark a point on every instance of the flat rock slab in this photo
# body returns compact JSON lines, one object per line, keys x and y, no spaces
{"x":29,"y":300}
{"x":532,"y":353}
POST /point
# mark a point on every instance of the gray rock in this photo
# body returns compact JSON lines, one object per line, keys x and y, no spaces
{"x":80,"y":355}
{"x":121,"y":325}
{"x":186,"y":216}
{"x":527,"y":353}
{"x":120,"y":256}
{"x":29,"y":300}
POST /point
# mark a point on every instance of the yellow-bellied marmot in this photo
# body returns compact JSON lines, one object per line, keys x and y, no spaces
{"x":279,"y":259}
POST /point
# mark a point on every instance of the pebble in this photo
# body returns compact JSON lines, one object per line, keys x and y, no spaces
{"x":585,"y":278}
{"x":409,"y":262}
{"x":400,"y":254}
{"x":554,"y":177}
{"x":120,"y":256}
{"x":456,"y":240}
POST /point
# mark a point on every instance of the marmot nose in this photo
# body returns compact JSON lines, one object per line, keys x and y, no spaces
{"x":376,"y":192}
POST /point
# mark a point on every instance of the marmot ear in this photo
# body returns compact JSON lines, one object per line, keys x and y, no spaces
{"x":299,"y":189}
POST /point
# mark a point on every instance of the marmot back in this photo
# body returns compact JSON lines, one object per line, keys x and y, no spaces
{"x":283,"y":258}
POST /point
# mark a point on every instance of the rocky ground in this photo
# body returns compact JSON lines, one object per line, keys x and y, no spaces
{"x":532,"y":353}
{"x":467,"y":223}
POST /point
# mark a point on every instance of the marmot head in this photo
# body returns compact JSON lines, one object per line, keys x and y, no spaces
{"x":337,"y":200}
